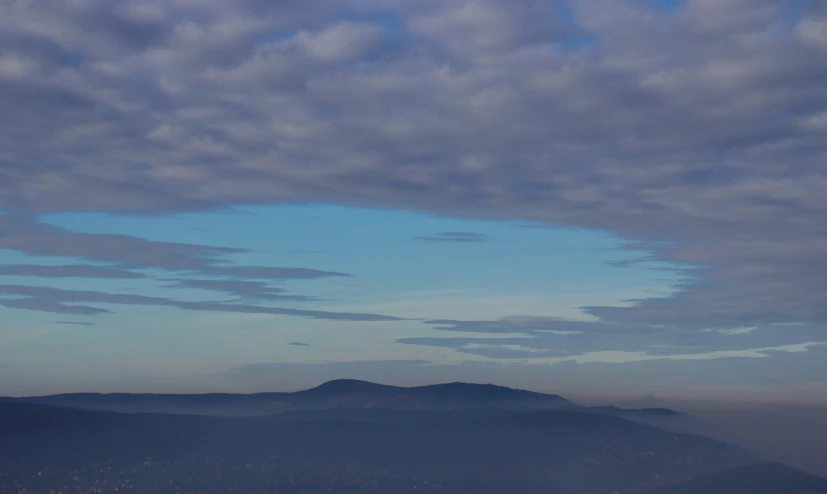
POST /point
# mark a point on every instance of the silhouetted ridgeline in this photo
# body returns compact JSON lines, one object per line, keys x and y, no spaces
{"x":344,"y":393}
{"x":353,"y":394}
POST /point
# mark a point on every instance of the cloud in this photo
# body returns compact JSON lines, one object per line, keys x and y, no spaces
{"x":252,"y":290}
{"x":298,"y":343}
{"x":272,"y":273}
{"x":35,"y":238}
{"x":700,"y":126}
{"x":544,"y":337}
{"x":45,"y":305}
{"x":68,"y":271}
{"x":458,"y":237}
{"x":76,"y":323}
{"x":340,"y":42}
{"x":126,"y":253}
{"x":32,"y":237}
{"x":499,"y":348}
{"x":67,"y":302}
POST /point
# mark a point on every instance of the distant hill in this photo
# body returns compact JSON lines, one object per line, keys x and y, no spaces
{"x":761,"y":478}
{"x":342,"y":393}
{"x":353,"y":394}
{"x":348,"y":387}
{"x":562,"y":452}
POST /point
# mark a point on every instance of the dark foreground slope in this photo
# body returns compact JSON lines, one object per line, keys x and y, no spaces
{"x":548,"y":451}
{"x":760,"y":478}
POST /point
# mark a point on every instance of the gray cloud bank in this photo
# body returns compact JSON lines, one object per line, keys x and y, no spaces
{"x":127,"y":252}
{"x":127,"y":256}
{"x":705,"y":126}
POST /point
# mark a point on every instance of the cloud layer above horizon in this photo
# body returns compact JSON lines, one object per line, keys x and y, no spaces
{"x":696,"y":130}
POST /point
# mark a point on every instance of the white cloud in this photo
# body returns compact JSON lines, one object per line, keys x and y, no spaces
{"x":340,"y":42}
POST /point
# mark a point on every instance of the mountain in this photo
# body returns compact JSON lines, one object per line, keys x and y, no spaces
{"x":343,"y":393}
{"x":761,"y":478}
{"x":555,"y":452}
{"x":484,"y":392}
{"x":354,"y":394}
{"x":346,"y":387}
{"x":346,"y":393}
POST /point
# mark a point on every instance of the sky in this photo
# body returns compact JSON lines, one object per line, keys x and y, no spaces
{"x":611,"y":198}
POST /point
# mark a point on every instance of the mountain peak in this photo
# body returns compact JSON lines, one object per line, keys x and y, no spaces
{"x":346,"y":386}
{"x":461,"y":390}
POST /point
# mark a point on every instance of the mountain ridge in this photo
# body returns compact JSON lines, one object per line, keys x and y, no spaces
{"x":330,"y":389}
{"x":341,"y":394}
